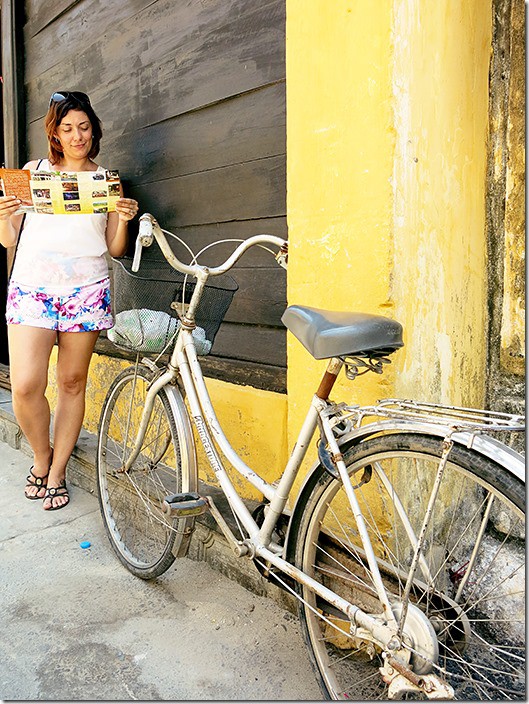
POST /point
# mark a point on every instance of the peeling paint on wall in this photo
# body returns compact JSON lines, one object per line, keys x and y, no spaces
{"x":506,"y":209}
{"x":512,"y":355}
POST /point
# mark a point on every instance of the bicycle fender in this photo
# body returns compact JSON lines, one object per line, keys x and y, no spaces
{"x":484,"y":445}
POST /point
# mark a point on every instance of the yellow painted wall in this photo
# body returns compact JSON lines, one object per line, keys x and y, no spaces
{"x":255,"y":423}
{"x":386,"y":157}
{"x":441,"y":64}
{"x":340,"y":145}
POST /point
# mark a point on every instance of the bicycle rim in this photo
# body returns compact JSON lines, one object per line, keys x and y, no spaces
{"x":469,"y":585}
{"x":131,"y":502}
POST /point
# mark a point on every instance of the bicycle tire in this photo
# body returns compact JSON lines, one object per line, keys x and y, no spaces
{"x":143,"y":537}
{"x":481,"y":638}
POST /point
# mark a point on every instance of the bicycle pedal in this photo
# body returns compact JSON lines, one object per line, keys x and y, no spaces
{"x":184,"y":505}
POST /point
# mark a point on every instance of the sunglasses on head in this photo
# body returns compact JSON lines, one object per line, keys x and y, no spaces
{"x":66,"y":94}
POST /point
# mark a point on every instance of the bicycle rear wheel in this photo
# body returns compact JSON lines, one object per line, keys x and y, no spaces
{"x":143,"y":537}
{"x":469,"y":585}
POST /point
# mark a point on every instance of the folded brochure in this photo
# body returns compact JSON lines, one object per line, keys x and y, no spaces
{"x":60,"y":192}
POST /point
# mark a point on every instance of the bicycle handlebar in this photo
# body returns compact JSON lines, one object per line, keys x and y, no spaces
{"x":150,"y":229}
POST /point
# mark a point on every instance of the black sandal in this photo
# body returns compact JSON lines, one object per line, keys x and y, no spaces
{"x":54,"y":492}
{"x":39,"y":482}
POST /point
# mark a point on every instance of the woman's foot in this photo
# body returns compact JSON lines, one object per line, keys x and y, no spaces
{"x":37,"y":479}
{"x":56,"y":497}
{"x":35,"y":485}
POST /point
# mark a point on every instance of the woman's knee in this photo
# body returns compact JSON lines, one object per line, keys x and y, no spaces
{"x":71,"y":384}
{"x":26,"y":390}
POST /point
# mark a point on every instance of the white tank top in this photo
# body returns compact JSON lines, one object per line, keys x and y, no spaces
{"x":61,"y":251}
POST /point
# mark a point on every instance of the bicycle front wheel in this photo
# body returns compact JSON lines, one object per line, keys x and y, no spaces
{"x":144,"y":538}
{"x":465,"y":621}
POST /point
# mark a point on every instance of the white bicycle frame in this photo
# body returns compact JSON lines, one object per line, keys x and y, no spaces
{"x":184,"y":363}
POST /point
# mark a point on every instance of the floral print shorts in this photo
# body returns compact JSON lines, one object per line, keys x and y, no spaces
{"x":81,"y":309}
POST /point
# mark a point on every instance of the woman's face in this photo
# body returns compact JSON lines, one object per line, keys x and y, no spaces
{"x":75,"y":134}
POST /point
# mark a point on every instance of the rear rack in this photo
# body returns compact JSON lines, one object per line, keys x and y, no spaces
{"x":455,"y":417}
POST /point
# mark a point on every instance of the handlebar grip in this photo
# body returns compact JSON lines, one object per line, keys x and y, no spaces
{"x":145,"y":231}
{"x":144,"y":239}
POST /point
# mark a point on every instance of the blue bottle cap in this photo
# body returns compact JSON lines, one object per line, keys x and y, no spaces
{"x":85,"y":544}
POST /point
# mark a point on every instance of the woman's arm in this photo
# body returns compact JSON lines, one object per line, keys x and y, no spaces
{"x":117,"y":235}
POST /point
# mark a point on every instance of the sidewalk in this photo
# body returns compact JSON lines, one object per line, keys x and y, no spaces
{"x":77,"y":626}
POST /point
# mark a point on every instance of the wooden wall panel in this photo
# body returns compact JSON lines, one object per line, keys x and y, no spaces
{"x":192,"y":99}
{"x":257,"y":344}
{"x":153,"y":64}
{"x":41,"y":14}
{"x":244,"y":128}
{"x":236,"y":192}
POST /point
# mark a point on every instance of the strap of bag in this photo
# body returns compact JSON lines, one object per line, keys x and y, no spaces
{"x":19,"y":235}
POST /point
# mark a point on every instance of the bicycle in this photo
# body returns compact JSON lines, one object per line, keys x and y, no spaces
{"x":405,"y":546}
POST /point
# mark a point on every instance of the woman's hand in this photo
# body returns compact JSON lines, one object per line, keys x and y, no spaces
{"x":8,"y":206}
{"x":126,"y":208}
{"x":10,"y":222}
{"x":116,"y":234}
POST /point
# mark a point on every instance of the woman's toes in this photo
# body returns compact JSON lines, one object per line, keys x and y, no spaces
{"x":56,"y":497}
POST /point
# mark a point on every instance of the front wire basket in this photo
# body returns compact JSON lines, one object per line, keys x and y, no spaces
{"x":145,"y":319}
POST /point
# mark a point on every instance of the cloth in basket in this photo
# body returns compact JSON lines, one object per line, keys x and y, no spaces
{"x":147,"y":330}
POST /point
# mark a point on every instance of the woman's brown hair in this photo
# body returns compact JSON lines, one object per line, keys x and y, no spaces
{"x":57,"y":111}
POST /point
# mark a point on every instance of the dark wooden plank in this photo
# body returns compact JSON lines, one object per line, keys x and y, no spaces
{"x":246,"y":127}
{"x":169,"y":60}
{"x":234,"y":371}
{"x":246,"y":342}
{"x":261,"y":298}
{"x":241,"y":54}
{"x":40,"y":14}
{"x":240,"y":192}
{"x":58,"y":30}
{"x":247,"y":373}
{"x":12,"y":100}
{"x":37,"y":144}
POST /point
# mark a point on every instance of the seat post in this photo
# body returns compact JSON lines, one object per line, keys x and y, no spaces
{"x":329,"y":378}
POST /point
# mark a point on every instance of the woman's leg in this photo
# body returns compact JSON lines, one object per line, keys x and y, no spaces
{"x":29,"y":355}
{"x":73,"y":360}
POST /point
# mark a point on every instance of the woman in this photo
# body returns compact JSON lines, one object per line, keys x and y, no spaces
{"x":59,"y":293}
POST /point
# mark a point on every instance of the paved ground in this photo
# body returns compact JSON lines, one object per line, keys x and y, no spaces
{"x":75,"y":625}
